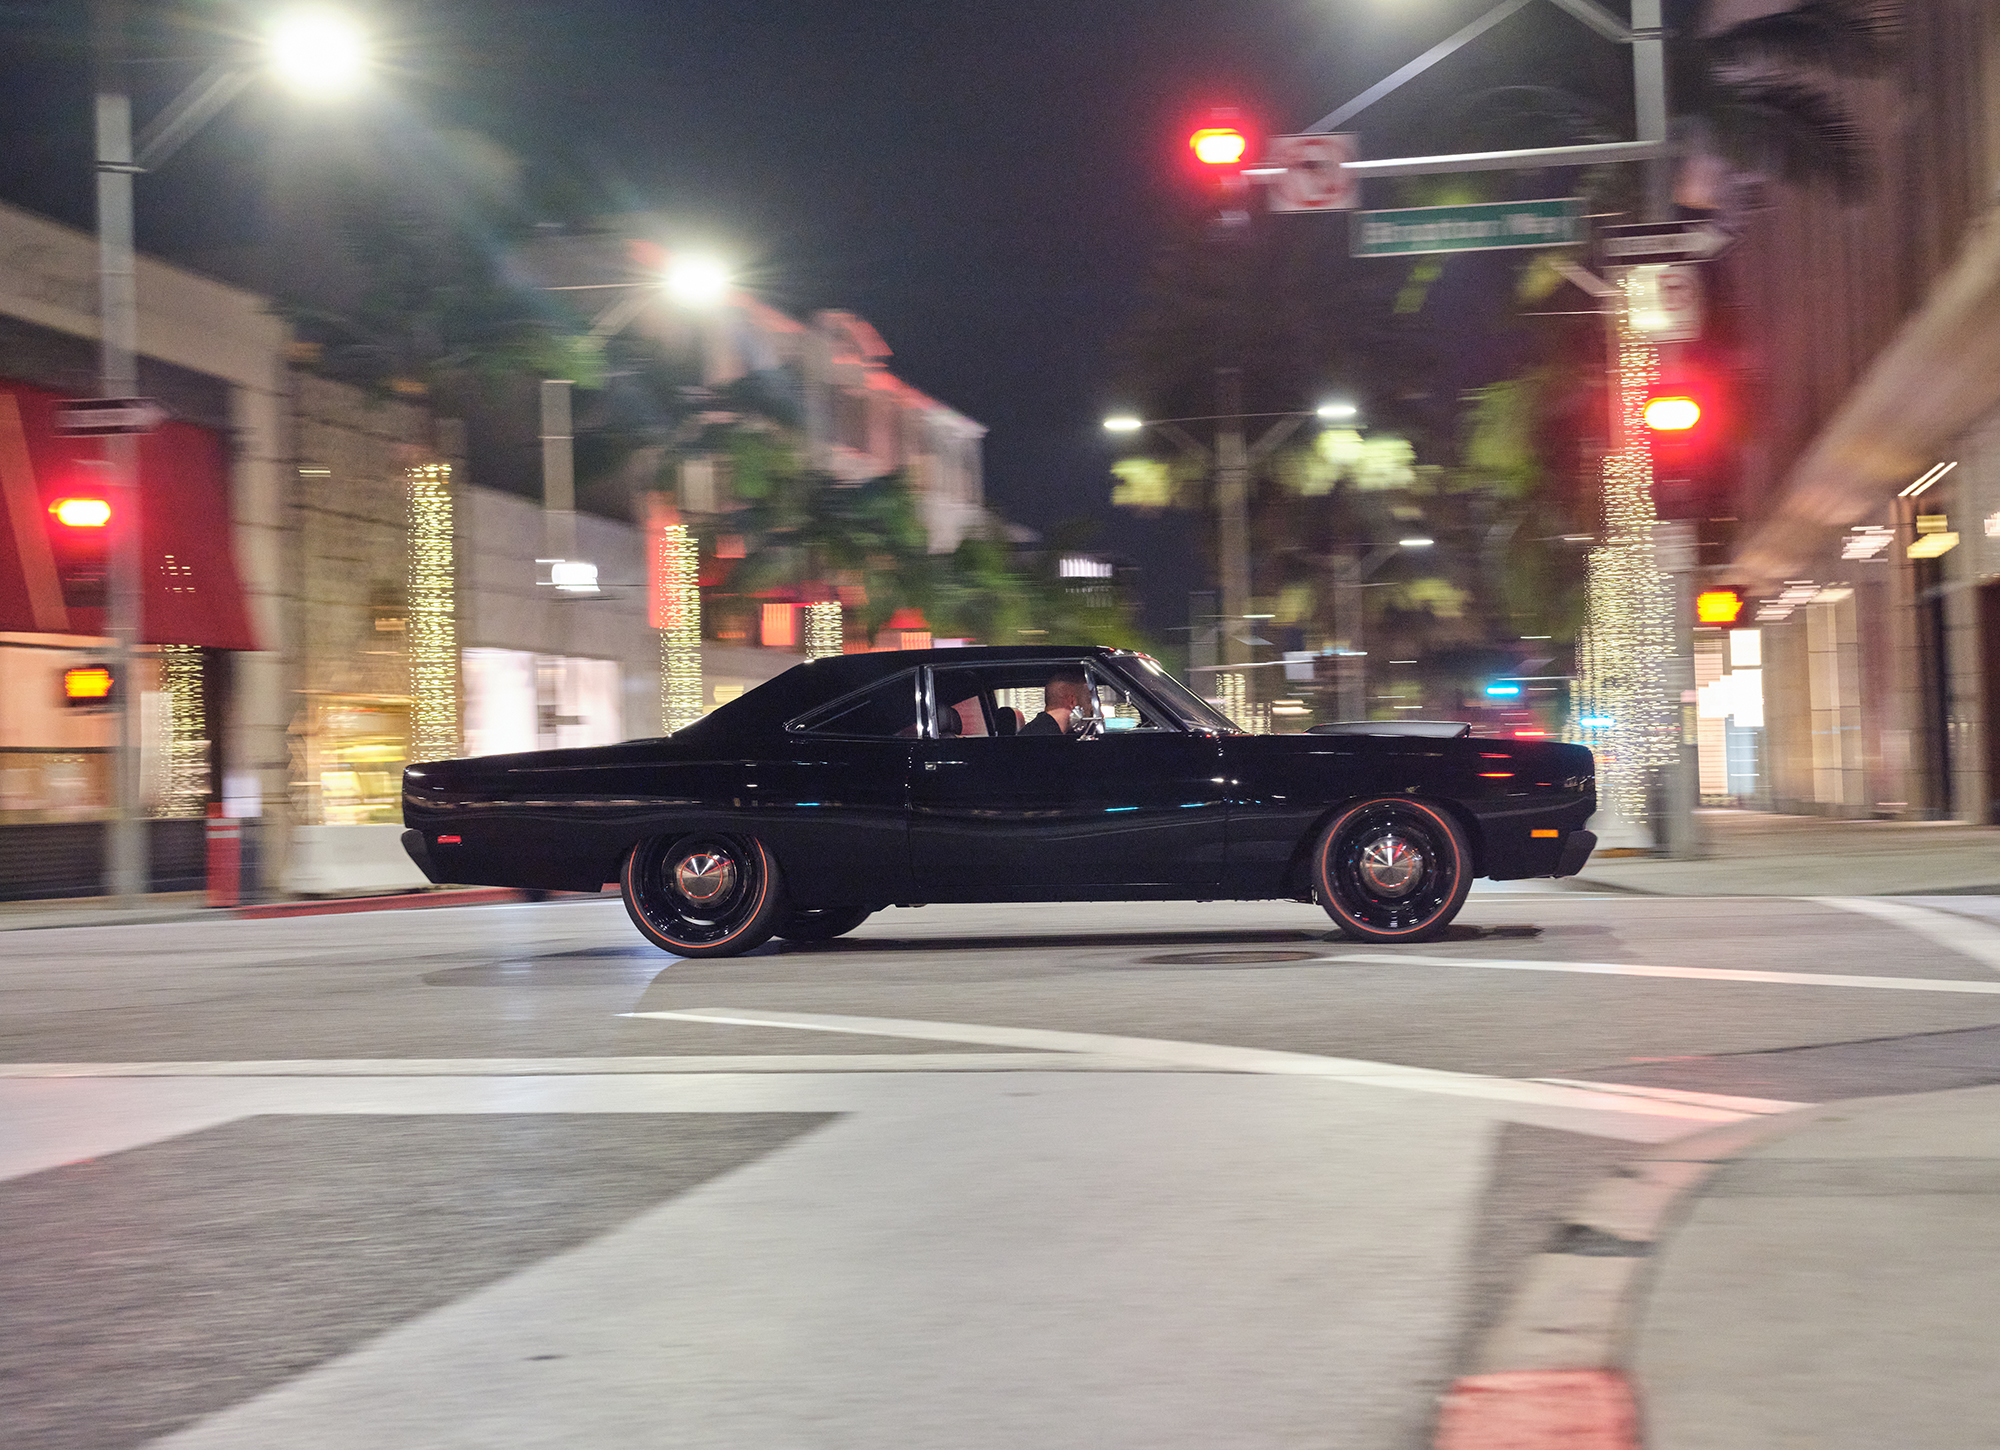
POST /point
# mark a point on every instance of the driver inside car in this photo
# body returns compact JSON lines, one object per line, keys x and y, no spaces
{"x":1067,"y":706}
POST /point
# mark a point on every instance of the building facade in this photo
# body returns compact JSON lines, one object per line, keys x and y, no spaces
{"x":1863,"y":684}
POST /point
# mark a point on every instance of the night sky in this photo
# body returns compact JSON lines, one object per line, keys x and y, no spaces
{"x":986,"y":181}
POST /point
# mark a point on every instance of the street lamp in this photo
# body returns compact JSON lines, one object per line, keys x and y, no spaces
{"x":312,"y":56}
{"x":1232,"y":459}
{"x":317,"y":52}
{"x":695,"y":280}
{"x":1336,"y":412}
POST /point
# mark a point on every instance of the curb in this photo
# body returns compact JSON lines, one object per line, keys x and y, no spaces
{"x":407,"y":901}
{"x":1548,"y":1375}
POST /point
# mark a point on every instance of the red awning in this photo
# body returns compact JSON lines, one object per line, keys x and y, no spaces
{"x":193,"y":594}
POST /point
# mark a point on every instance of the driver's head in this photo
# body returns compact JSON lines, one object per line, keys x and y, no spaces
{"x":1066,"y":690}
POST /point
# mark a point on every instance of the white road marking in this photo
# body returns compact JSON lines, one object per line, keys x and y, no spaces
{"x":1974,"y":939}
{"x":1699,"y":974}
{"x":584,"y":1066}
{"x":1143,"y":1261}
{"x":1212,"y":1057}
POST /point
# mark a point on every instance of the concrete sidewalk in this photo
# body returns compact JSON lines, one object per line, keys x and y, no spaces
{"x":1751,"y":853}
{"x":1834,"y":1287}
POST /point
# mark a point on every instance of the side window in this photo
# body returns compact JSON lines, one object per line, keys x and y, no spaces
{"x":889,"y":709}
{"x":1122,"y":710}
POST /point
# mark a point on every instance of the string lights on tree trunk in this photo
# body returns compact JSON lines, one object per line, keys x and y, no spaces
{"x":432,"y":629}
{"x":1626,"y":647}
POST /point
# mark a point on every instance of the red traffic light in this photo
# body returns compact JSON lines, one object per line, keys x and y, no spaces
{"x":88,"y":684}
{"x":1672,"y":414}
{"x":1219,"y":146}
{"x":81,"y":512}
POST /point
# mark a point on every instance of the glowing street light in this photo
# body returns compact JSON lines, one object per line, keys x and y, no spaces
{"x":695,"y":280}
{"x":1337,"y":412}
{"x":1122,"y":423}
{"x":318,"y":52}
{"x":1415,"y":543}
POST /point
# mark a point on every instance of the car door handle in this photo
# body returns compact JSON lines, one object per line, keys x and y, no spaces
{"x":941,"y":764}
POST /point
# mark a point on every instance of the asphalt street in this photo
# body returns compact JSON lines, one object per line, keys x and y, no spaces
{"x":1105,"y":1175}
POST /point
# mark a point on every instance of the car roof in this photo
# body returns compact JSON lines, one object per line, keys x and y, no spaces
{"x":817,"y":681}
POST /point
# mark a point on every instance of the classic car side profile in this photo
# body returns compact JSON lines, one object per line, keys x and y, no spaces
{"x":853,"y":783}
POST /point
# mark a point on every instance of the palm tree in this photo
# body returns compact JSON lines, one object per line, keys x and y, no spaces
{"x":1755,"y":95}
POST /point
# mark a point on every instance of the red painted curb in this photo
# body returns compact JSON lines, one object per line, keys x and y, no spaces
{"x":409,"y":901}
{"x":1540,"y":1409}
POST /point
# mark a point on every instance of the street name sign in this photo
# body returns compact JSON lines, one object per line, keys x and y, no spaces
{"x":1489,"y":227}
{"x":1309,"y":175}
{"x":1676,"y":241}
{"x":101,"y":417}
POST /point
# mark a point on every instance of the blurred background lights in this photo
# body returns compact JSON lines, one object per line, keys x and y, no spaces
{"x":697,"y":280}
{"x":318,"y":51}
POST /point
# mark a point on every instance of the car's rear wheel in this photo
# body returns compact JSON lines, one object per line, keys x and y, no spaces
{"x":822,"y":923}
{"x":1392,"y":869}
{"x":705,"y":895}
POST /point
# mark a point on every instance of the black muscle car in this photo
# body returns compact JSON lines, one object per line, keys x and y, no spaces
{"x":849,"y":784}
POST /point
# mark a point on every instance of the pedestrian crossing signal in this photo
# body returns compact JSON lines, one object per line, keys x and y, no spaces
{"x":1717,"y":606}
{"x":87,"y":687}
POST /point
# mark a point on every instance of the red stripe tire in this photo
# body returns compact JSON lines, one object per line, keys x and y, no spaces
{"x":703,"y":895}
{"x":1392,"y":869}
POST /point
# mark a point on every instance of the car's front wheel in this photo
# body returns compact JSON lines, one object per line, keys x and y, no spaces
{"x":705,"y":895}
{"x":1392,"y":869}
{"x":822,"y":923}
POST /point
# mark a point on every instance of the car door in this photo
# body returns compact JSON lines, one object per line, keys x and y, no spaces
{"x":835,"y":797}
{"x":996,"y":815}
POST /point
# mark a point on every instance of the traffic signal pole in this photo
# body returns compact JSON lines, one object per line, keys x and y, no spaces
{"x":125,"y":861}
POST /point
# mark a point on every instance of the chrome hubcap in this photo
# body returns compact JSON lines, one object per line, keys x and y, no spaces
{"x":704,"y":876}
{"x":1391,"y":866}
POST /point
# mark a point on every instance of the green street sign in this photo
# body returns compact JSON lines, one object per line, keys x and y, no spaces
{"x":1491,"y":227}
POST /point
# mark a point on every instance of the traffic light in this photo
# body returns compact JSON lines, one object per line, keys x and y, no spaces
{"x":1686,"y":421}
{"x":1717,"y":606}
{"x":90,"y":687}
{"x":1222,"y":146}
{"x":80,"y":538}
{"x":1219,"y":146}
{"x":1672,"y":413}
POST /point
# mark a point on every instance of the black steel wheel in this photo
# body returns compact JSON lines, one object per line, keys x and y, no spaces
{"x":822,"y":923}
{"x":1392,"y":869}
{"x":705,"y":895}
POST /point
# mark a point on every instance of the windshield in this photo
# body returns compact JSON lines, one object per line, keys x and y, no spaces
{"x":1194,"y":712}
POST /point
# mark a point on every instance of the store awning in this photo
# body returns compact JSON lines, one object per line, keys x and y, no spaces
{"x":1939,"y":375}
{"x":193,"y":593}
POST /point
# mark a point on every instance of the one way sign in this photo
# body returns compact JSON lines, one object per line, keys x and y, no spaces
{"x":1682,"y":241}
{"x":99,"y":417}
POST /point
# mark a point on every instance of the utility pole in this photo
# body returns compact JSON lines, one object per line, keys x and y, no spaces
{"x":1232,"y":502}
{"x":126,"y":862}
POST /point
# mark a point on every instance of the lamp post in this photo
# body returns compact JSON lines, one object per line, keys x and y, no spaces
{"x":701,"y":284}
{"x":313,"y":50}
{"x":1350,"y":575}
{"x":1232,"y":458}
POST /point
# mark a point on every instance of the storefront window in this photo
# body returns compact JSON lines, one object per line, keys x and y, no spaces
{"x":355,"y":749}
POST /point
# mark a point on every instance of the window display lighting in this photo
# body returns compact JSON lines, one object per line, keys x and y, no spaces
{"x":431,"y":636}
{"x":824,"y":633}
{"x":1627,"y":643}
